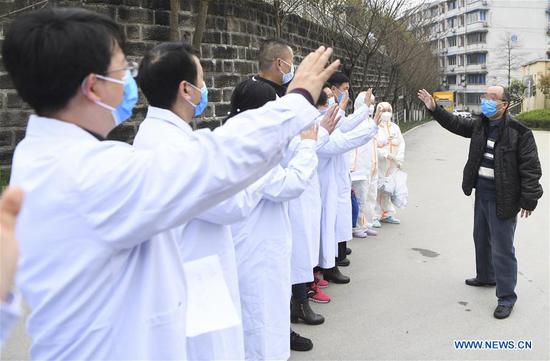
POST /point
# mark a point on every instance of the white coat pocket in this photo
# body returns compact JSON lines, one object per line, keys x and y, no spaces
{"x":209,"y":303}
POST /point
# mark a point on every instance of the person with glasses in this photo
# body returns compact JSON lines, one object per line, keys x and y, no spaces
{"x":504,"y":168}
{"x":98,"y":284}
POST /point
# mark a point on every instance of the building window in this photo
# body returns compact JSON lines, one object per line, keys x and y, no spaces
{"x":460,"y":60}
{"x":476,"y":16}
{"x":476,"y":58}
{"x":452,"y":41}
{"x":451,"y":22}
{"x":451,"y":5}
{"x":442,"y":44}
{"x":476,"y":79}
{"x":451,"y":59}
{"x":461,"y":20}
{"x":451,"y":79}
{"x":461,"y":41}
{"x":442,"y":61}
{"x":477,"y":38}
{"x":461,"y":3}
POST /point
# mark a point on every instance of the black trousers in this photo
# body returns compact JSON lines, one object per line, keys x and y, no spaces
{"x":495,"y":253}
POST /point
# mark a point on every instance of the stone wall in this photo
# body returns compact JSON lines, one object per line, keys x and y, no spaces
{"x":229,"y":51}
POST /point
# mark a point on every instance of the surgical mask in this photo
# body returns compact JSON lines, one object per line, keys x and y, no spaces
{"x":129,"y":98}
{"x":203,"y":102}
{"x":341,"y":95}
{"x":331,"y":102}
{"x":386,"y":117}
{"x":488,"y":107}
{"x":287,"y":77}
{"x":323,"y":111}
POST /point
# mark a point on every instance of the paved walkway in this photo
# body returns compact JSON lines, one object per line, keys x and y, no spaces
{"x":407,"y":299}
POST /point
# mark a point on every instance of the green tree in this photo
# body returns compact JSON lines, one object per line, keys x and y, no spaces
{"x":516,"y":89}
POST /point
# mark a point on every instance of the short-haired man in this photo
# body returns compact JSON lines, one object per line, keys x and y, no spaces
{"x":504,"y":168}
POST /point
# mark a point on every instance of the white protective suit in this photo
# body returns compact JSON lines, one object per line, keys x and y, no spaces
{"x":364,"y":176}
{"x":263,"y":246}
{"x":391,"y":155}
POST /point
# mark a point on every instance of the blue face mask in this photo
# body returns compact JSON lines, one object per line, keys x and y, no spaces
{"x":203,"y":102}
{"x":287,"y":77}
{"x":341,"y":95}
{"x":488,"y":107}
{"x":124,"y":110}
{"x":129,"y":98}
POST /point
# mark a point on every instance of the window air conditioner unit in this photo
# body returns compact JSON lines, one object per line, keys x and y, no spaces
{"x":484,"y":67}
{"x":452,"y":70}
{"x":484,"y":3}
{"x":485,"y":24}
{"x":453,"y":30}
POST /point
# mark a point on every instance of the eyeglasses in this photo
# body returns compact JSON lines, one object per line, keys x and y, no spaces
{"x":132,"y":67}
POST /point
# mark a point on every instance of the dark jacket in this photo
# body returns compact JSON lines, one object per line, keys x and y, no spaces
{"x":517,"y":166}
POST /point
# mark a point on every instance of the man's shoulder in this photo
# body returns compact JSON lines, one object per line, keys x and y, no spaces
{"x":517,"y":126}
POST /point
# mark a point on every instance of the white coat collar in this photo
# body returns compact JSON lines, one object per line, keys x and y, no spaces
{"x":49,"y":127}
{"x":170,"y":117}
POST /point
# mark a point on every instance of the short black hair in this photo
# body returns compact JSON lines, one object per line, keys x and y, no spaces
{"x":271,"y":49}
{"x":48,"y":53}
{"x":323,"y":99}
{"x":251,"y":94}
{"x":338,"y":79}
{"x":163,"y":69}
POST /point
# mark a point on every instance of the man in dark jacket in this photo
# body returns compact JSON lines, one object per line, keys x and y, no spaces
{"x":504,"y":168}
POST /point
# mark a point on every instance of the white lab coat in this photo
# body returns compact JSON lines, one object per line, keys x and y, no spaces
{"x":395,"y":147}
{"x":263,"y":246}
{"x":336,"y":220}
{"x":206,"y":235}
{"x":305,"y":220}
{"x":98,"y":287}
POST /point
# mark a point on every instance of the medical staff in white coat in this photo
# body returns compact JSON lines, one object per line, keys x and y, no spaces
{"x":391,"y":155}
{"x":264,"y":240}
{"x":364,"y":176}
{"x":10,"y":205}
{"x":206,"y":240}
{"x":98,"y":287}
{"x":336,"y":220}
{"x":305,"y":220}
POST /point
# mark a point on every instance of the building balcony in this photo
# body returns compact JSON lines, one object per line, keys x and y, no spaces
{"x":477,"y":26}
{"x":480,"y":4}
{"x":475,"y":48}
{"x":476,"y":68}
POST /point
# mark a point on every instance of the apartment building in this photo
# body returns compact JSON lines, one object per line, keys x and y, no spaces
{"x":485,"y":42}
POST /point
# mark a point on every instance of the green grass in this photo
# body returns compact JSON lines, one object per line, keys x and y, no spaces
{"x":536,"y":119}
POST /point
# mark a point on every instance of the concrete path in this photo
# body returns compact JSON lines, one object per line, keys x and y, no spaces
{"x":407,"y":299}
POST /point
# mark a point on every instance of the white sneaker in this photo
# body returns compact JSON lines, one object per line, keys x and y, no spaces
{"x":359,"y":234}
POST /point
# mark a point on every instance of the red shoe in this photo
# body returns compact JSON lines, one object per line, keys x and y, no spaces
{"x":317,"y":295}
{"x":319,"y":280}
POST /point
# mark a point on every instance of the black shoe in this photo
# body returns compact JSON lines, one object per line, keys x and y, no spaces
{"x":301,"y":310}
{"x":502,"y":311}
{"x":474,"y":282}
{"x":299,"y":343}
{"x":348,"y":251}
{"x":343,"y":263}
{"x":334,"y":275}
